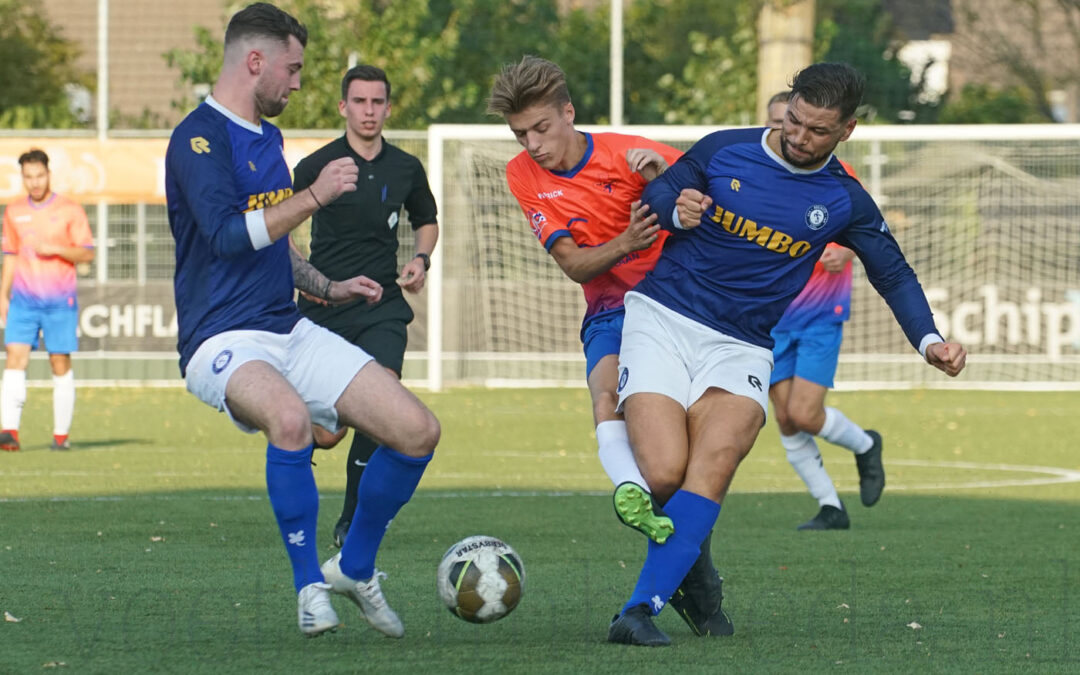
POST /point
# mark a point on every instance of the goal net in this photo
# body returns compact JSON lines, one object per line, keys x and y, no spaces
{"x":989,"y":218}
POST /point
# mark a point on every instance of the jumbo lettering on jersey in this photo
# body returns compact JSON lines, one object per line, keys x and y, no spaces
{"x":222,"y":282}
{"x":265,"y":199}
{"x":590,"y":203}
{"x":756,"y":247}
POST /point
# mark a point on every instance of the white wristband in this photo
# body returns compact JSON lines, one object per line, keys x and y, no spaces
{"x":929,"y":339}
{"x":256,"y":228}
{"x":675,"y":219}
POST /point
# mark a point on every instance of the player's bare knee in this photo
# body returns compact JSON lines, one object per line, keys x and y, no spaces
{"x":604,"y":406}
{"x":290,"y":429}
{"x":805,"y":419}
{"x":784,"y":421}
{"x":663,"y":479}
{"x":423,"y":437}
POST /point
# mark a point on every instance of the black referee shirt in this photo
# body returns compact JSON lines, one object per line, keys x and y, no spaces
{"x":358,"y":232}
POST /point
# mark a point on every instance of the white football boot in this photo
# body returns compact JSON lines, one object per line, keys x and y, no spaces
{"x":367,"y":595}
{"x":314,"y":610}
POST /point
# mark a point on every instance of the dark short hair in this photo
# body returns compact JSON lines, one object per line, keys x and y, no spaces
{"x":34,"y":156}
{"x":836,"y":86}
{"x":262,"y":19}
{"x":367,"y":74}
{"x":779,"y":97}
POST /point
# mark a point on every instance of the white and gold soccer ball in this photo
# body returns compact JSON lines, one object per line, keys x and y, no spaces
{"x":481,"y":579}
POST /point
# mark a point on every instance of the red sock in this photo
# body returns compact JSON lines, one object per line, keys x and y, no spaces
{"x":60,"y":438}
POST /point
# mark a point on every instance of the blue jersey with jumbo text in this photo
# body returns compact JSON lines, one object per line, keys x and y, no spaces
{"x":220,"y":171}
{"x":756,"y":245}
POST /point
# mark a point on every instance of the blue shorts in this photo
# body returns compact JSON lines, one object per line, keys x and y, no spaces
{"x":811,"y":353}
{"x":58,"y":324}
{"x":601,"y":337}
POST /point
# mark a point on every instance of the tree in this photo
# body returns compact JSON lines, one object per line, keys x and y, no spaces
{"x":384,"y":34}
{"x":982,"y":104}
{"x":1029,"y":44}
{"x":660,"y":49}
{"x":861,"y":32}
{"x":718,"y":84}
{"x":39,"y":69}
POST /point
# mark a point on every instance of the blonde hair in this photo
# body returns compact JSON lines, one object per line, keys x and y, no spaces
{"x":530,"y":82}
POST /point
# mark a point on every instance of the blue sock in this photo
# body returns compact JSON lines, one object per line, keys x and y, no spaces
{"x":295,"y":501}
{"x":389,"y":480}
{"x":666,"y":564}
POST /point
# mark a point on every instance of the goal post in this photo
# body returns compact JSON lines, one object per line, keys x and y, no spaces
{"x":988,"y":216}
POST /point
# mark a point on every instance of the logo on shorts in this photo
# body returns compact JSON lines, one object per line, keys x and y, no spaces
{"x":624,"y":375}
{"x":221,"y":360}
{"x":754,"y":382}
{"x":816,"y":216}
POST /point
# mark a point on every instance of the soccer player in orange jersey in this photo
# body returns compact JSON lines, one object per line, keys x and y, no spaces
{"x":580,"y":193}
{"x":577,"y":191}
{"x":45,"y":236}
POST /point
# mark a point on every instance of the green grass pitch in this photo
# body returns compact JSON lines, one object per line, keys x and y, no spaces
{"x":152,"y":548}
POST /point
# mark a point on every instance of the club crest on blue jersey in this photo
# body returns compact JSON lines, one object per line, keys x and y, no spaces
{"x":816,"y":216}
{"x":221,"y":361}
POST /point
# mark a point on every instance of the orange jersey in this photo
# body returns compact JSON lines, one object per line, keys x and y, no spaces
{"x":44,"y":281}
{"x":590,"y":204}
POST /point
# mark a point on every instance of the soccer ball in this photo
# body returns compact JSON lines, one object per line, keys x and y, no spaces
{"x":481,"y":579}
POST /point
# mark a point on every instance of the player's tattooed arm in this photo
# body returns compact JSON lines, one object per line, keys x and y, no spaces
{"x":317,"y":287}
{"x":307,"y":279}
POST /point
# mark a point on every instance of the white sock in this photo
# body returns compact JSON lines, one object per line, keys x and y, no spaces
{"x":803,"y":454}
{"x":845,"y":433}
{"x":616,"y":456}
{"x":63,"y":402}
{"x":12,"y":398}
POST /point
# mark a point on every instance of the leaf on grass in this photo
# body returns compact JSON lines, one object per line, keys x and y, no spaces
{"x":53,"y":664}
{"x":914,"y":625}
{"x":843,"y":605}
{"x":10,"y":618}
{"x":157,"y":538}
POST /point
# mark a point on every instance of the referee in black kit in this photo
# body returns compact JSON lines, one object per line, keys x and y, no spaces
{"x":357,"y":234}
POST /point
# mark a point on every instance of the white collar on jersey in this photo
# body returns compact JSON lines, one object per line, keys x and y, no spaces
{"x":236,"y":119}
{"x":783,"y":162}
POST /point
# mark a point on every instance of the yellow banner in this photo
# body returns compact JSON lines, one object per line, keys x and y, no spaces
{"x":117,"y":170}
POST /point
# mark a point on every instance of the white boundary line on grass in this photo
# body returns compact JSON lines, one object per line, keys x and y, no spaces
{"x":1052,"y":476}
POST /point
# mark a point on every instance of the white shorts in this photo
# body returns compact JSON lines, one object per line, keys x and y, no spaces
{"x":318,"y":364}
{"x":664,"y":352}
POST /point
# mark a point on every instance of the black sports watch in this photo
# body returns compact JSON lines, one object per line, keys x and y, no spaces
{"x":426,"y":258}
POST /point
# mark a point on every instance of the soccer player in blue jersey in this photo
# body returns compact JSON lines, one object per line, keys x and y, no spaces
{"x":245,"y":350}
{"x":751,"y":211}
{"x":805,"y":354}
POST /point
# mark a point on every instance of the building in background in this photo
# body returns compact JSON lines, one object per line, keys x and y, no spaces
{"x":140,"y":32}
